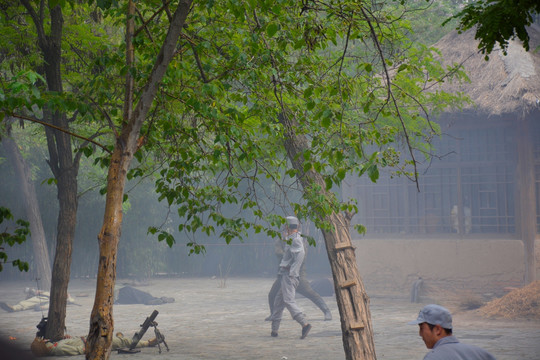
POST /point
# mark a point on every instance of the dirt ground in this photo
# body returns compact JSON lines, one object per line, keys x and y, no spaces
{"x":224,"y":319}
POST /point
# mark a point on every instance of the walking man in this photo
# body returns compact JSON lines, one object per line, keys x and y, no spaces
{"x":304,"y":287}
{"x":289,"y":274}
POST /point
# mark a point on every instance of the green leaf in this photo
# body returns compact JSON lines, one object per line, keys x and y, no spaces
{"x":272,"y":29}
{"x":361,"y":229}
{"x":308,"y":92}
{"x":402,"y":67}
{"x":51,"y":181}
{"x":328,"y":183}
{"x":373,"y":172}
{"x":326,"y":122}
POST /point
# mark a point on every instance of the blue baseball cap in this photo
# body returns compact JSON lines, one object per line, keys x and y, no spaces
{"x":434,"y":315}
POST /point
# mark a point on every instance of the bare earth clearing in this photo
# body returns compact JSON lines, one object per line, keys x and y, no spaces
{"x":209,"y":321}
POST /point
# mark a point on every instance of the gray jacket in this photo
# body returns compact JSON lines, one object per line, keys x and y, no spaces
{"x":449,"y":348}
{"x":293,"y":256}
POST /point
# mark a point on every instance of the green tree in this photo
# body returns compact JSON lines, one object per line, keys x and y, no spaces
{"x":48,"y":25}
{"x":127,"y":143}
{"x":62,"y":163}
{"x":46,"y":102}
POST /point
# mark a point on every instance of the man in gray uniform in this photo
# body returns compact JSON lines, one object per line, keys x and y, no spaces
{"x":435,"y":324}
{"x":289,"y":274}
{"x":304,"y":287}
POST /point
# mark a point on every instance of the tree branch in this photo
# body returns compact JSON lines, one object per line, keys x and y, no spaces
{"x":164,"y":57}
{"x":22,"y":117}
{"x":199,"y":65}
{"x":391,"y":94}
{"x":130,"y":59}
{"x":145,"y":23}
{"x":37,"y":19}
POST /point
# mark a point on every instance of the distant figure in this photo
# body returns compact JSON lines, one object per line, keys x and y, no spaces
{"x":416,"y":289}
{"x":467,"y":219}
{"x":289,"y":275}
{"x":435,"y":324}
{"x":35,"y":299}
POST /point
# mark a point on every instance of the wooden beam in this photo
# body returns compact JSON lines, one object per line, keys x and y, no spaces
{"x":343,"y":246}
{"x":357,"y":325}
{"x":347,"y":284}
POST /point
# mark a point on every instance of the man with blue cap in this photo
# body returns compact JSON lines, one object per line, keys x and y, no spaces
{"x":435,"y":324}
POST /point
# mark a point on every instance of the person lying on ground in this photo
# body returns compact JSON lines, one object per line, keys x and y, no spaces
{"x":35,"y":299}
{"x":71,"y":346}
{"x":130,"y":295}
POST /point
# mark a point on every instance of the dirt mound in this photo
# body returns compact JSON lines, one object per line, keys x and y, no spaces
{"x":518,"y":303}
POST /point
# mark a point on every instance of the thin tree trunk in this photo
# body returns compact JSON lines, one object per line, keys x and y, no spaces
{"x":526,"y":199}
{"x":39,"y":243}
{"x":352,"y":300}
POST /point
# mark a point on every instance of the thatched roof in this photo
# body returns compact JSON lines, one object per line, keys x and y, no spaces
{"x":503,"y":85}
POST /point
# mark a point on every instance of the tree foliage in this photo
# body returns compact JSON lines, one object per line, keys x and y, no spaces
{"x":209,"y":122}
{"x":311,"y":60}
{"x":209,"y":93}
{"x":16,"y":235}
{"x":498,"y":21}
{"x":39,"y":27}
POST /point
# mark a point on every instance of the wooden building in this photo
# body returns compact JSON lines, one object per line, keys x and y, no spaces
{"x":487,"y":182}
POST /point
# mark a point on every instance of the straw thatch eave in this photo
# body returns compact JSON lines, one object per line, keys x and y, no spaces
{"x":504,"y":85}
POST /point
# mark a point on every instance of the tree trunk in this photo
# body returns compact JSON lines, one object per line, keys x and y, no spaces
{"x":65,"y":170}
{"x":101,"y":320}
{"x":526,"y":199}
{"x":67,"y":221}
{"x":63,"y":166}
{"x":42,"y":263}
{"x":352,"y":300}
{"x":101,"y":330}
